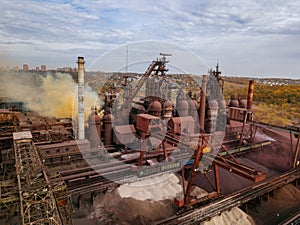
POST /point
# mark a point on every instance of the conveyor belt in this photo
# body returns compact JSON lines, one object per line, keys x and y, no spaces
{"x":234,"y":200}
{"x":288,"y":129}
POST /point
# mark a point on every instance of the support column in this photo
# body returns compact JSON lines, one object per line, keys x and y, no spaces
{"x":297,"y":152}
{"x":165,"y":151}
{"x":79,"y":201}
{"x":203,"y":103}
{"x":92,"y":197}
{"x":142,"y":153}
{"x":217,"y":179}
{"x":191,"y":182}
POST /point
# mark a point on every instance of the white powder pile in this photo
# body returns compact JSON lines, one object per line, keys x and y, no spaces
{"x":157,"y":188}
{"x":233,"y":217}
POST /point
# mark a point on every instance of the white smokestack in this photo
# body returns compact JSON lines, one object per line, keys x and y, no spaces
{"x":80,"y":63}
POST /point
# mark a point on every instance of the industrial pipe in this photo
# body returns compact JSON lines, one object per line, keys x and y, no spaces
{"x":203,"y":103}
{"x":250,"y":94}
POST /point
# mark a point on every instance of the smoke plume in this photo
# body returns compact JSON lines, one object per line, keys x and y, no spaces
{"x":51,"y":95}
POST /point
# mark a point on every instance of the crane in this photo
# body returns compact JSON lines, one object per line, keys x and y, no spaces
{"x":158,"y":66}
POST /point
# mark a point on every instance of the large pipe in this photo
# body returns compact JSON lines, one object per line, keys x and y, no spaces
{"x":80,"y":63}
{"x":250,"y":94}
{"x":203,"y":104}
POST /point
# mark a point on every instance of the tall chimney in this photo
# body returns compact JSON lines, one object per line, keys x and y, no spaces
{"x":203,"y":104}
{"x":250,"y":94}
{"x":80,"y":63}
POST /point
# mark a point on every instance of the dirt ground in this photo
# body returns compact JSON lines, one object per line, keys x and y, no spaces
{"x":279,"y":155}
{"x":233,"y":217}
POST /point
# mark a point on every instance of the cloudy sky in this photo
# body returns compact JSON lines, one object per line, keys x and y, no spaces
{"x":249,"y":38}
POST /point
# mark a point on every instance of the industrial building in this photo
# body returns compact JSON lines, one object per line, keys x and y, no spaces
{"x":49,"y":164}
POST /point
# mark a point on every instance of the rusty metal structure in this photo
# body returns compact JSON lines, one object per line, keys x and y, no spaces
{"x":39,"y":196}
{"x":43,"y":197}
{"x":27,"y":188}
{"x":148,"y":133}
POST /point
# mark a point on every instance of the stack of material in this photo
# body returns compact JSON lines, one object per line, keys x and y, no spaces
{"x":140,"y":202}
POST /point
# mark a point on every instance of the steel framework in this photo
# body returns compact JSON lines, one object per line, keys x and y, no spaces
{"x":43,"y":197}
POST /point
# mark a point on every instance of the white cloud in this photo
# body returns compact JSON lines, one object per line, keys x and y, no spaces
{"x":266,"y":32}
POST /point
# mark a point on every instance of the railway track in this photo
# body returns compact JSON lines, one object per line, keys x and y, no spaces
{"x":234,"y":200}
{"x":107,"y":175}
{"x":293,"y":219}
{"x":88,"y":179}
{"x":100,"y":183}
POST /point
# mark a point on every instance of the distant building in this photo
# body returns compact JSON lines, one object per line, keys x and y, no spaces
{"x":37,"y":68}
{"x":25,"y":67}
{"x":43,"y":68}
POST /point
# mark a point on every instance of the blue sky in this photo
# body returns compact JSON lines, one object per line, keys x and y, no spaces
{"x":248,"y":38}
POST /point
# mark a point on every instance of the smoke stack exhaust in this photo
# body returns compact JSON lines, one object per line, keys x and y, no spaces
{"x":80,"y":63}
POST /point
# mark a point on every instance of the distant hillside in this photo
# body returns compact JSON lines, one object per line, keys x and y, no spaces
{"x":276,"y":101}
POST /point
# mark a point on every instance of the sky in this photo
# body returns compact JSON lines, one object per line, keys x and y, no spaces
{"x":258,"y":38}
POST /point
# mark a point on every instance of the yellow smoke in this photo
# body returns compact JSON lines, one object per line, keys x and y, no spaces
{"x":53,"y":95}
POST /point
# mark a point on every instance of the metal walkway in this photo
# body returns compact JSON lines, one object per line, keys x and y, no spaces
{"x":43,"y":198}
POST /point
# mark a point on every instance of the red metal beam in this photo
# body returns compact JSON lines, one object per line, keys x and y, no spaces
{"x":240,"y":169}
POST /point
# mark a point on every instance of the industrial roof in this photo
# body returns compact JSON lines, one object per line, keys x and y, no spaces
{"x":147,"y":116}
{"x":22,"y":135}
{"x":125,"y":129}
{"x":182,"y":119}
